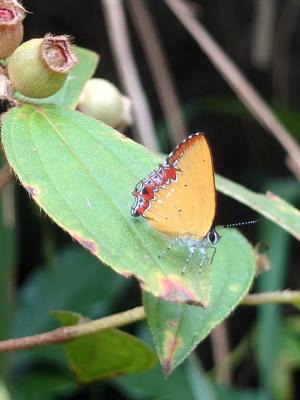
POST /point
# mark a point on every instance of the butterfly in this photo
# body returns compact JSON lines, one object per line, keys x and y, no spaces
{"x":178,"y":198}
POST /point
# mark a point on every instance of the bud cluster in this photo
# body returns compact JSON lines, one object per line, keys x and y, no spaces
{"x":39,"y":67}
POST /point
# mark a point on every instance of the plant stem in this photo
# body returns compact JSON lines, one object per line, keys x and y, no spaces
{"x":6,"y":175}
{"x":69,"y":333}
{"x":158,"y":66}
{"x":280,"y":297}
{"x":220,"y":351}
{"x":117,"y":30}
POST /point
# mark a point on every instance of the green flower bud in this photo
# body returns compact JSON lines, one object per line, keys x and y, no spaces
{"x":100,"y":99}
{"x":39,"y":67}
{"x":11,"y":26}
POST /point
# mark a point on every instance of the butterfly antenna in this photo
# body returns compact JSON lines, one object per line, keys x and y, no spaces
{"x":234,"y":225}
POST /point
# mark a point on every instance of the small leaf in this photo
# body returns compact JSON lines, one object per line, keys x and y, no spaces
{"x":68,"y":95}
{"x":177,"y":329}
{"x":105,"y":353}
{"x":67,"y":318}
{"x":108,"y":353}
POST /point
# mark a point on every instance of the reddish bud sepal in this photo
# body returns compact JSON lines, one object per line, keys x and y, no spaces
{"x":39,"y":67}
{"x":11,"y":26}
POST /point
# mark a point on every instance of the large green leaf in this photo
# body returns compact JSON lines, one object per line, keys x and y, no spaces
{"x":177,"y":329}
{"x":106,"y":353}
{"x":68,"y":95}
{"x":82,"y":173}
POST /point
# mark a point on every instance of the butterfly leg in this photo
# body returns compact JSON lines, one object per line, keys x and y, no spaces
{"x":172,"y":243}
{"x":185,"y":267}
{"x":206,"y":259}
{"x":213,"y":255}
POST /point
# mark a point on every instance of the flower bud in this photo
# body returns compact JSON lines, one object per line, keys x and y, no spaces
{"x":11,"y":26}
{"x":38,"y":68}
{"x":100,"y":99}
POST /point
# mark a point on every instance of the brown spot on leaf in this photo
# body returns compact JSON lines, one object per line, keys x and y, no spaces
{"x":174,"y":290}
{"x":171,"y":346}
{"x":33,"y":192}
{"x":88,"y":244}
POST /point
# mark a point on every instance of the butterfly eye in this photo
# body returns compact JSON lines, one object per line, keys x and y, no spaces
{"x":213,"y":237}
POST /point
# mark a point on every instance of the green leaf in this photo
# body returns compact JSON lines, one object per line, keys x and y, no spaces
{"x":67,"y":318}
{"x":82,"y":173}
{"x":106,"y":353}
{"x":269,"y":205}
{"x":177,"y":329}
{"x":68,"y":95}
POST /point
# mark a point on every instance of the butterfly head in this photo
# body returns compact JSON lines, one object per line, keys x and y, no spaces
{"x":213,"y":237}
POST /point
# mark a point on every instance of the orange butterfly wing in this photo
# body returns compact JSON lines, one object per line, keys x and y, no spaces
{"x":186,"y":207}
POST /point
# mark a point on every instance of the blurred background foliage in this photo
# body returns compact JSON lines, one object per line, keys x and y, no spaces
{"x":41,"y":269}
